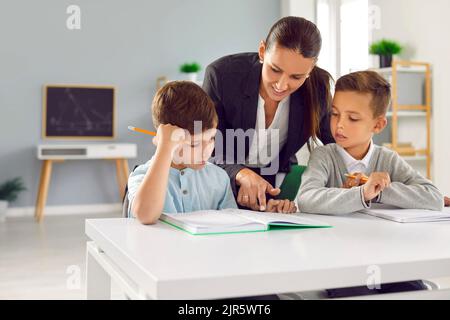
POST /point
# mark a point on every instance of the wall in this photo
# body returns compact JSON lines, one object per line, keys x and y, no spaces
{"x":301,"y":8}
{"x":127,"y":44}
{"x":420,"y":26}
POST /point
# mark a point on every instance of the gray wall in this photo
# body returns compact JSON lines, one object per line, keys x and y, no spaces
{"x":123,"y":43}
{"x":417,"y":28}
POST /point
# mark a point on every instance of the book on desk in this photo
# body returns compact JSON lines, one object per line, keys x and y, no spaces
{"x":407,"y":215}
{"x":237,"y":221}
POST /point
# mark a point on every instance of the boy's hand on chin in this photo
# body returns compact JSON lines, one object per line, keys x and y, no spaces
{"x":377,"y":182}
{"x":281,"y":206}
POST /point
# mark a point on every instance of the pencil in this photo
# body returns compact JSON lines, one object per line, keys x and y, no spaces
{"x":131,"y":128}
{"x":364,"y":179}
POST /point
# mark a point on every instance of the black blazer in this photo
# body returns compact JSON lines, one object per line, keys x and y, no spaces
{"x":233,"y":83}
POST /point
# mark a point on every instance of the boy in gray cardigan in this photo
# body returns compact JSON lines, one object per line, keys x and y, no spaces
{"x":358,"y":112}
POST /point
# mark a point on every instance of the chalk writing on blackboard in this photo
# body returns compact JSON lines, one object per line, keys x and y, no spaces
{"x":78,"y":112}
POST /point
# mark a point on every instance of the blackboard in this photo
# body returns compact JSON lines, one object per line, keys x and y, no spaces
{"x":78,"y":112}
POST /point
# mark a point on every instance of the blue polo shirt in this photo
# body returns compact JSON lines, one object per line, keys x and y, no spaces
{"x":189,"y":190}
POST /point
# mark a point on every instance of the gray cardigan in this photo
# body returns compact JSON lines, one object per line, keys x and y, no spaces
{"x":321,"y":190}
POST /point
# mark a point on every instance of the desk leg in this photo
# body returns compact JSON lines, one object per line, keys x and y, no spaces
{"x":44,"y":182}
{"x":98,"y":281}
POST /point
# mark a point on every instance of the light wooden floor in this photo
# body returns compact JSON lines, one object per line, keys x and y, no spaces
{"x":35,"y":259}
{"x":43,"y":261}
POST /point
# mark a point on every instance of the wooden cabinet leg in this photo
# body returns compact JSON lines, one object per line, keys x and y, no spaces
{"x":126,"y":173}
{"x":120,"y":179}
{"x":126,"y":170}
{"x":44,"y":182}
{"x":37,"y":207}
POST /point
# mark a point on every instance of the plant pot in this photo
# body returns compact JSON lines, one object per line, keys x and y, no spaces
{"x":3,"y":208}
{"x":385,"y":61}
{"x":192,"y":76}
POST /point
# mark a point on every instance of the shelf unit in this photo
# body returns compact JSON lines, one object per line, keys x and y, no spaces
{"x":408,"y":114}
{"x":399,"y":110}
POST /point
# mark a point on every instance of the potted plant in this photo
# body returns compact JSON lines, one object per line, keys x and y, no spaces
{"x":386,"y":49}
{"x":191,"y":69}
{"x":9,"y":192}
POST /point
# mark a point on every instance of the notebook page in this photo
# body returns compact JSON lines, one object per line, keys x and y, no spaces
{"x":210,"y":218}
{"x":280,"y":218}
{"x":410,"y":215}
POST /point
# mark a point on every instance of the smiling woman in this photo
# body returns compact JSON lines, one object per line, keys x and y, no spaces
{"x":278,"y":98}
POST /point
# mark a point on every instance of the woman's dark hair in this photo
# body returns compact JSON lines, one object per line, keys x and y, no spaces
{"x":304,"y":37}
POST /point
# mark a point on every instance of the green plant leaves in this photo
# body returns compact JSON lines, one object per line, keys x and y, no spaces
{"x":190,"y":67}
{"x":385,"y":47}
{"x":10,"y":190}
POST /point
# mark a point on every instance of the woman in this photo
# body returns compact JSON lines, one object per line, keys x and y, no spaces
{"x":283,"y":96}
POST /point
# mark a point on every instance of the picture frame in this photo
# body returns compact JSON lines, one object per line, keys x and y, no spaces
{"x":79,"y":112}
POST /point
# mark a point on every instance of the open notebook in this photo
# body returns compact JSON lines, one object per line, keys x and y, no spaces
{"x":237,"y":221}
{"x":408,"y":215}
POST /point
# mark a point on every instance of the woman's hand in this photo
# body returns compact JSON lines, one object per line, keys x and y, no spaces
{"x":281,"y":206}
{"x":253,"y":189}
{"x":447,"y":201}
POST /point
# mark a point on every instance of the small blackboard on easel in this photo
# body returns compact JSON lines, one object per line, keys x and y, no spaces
{"x":80,"y":112}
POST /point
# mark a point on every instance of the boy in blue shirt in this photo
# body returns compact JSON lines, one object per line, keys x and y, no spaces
{"x":179,"y":177}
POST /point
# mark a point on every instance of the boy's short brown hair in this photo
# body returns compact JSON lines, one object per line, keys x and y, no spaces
{"x":368,"y":82}
{"x":180,"y":103}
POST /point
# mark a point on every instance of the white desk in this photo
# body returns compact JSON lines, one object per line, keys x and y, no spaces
{"x":160,"y":262}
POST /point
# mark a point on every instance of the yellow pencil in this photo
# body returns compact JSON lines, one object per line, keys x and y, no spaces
{"x":364,"y":179}
{"x":141,"y":130}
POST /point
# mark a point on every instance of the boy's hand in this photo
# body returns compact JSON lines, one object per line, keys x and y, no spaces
{"x":354,"y":182}
{"x":447,"y":201}
{"x":378,"y":181}
{"x":281,"y":206}
{"x":169,"y":136}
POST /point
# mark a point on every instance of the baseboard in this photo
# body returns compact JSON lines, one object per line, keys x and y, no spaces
{"x":66,"y":210}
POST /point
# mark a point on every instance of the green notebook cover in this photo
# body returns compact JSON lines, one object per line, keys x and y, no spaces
{"x":246,"y":221}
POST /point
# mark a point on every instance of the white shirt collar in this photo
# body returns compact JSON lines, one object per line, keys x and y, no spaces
{"x":282,"y":112}
{"x":350,"y":162}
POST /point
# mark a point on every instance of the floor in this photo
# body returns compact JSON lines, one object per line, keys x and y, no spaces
{"x":47,"y":261}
